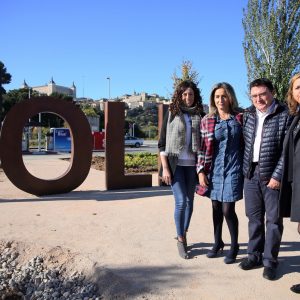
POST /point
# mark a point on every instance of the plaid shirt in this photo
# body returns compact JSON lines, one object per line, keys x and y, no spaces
{"x":207,"y":129}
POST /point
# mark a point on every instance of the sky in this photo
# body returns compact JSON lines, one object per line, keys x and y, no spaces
{"x":137,"y":44}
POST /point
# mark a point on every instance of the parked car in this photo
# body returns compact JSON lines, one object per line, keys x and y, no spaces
{"x":133,"y":141}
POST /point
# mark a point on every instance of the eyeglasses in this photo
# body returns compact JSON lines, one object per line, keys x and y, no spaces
{"x":261,"y":95}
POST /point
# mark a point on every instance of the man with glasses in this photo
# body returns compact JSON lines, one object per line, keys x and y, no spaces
{"x":265,"y":124}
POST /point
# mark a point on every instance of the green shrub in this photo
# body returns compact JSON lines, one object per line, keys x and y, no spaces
{"x":141,"y":159}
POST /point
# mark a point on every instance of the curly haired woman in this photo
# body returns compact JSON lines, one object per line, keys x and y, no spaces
{"x":179,"y":144}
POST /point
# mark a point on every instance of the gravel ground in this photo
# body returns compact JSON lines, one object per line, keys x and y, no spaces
{"x":44,"y":276}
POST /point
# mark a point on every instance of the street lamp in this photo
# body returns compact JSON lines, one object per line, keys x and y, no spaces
{"x":108,"y":78}
{"x":40,"y":132}
{"x":39,"y":127}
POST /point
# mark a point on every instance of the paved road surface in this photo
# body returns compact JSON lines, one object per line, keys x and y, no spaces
{"x":149,"y":146}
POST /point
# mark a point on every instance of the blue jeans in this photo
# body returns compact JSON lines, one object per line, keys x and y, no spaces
{"x":183,"y":187}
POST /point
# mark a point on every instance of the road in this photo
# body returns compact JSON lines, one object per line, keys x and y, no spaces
{"x":149,"y":146}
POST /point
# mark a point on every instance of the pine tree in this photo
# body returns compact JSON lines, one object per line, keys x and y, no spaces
{"x":5,"y":78}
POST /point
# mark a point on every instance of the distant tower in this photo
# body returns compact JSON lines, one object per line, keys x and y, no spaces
{"x":73,"y":88}
{"x":51,"y":81}
{"x":51,"y":86}
{"x":24,"y":85}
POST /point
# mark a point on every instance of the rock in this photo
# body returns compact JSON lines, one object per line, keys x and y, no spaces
{"x":34,"y":279}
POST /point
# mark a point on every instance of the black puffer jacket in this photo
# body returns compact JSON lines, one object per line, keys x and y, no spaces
{"x":273,"y":133}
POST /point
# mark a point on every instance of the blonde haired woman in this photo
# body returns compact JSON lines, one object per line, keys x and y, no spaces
{"x":290,"y":185}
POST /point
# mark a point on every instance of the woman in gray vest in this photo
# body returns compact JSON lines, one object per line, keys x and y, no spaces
{"x":178,"y":145}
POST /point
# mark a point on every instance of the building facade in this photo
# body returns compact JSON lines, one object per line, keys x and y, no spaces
{"x":52,"y":87}
{"x":142,"y":100}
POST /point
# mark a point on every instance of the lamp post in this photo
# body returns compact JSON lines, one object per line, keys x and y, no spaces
{"x":39,"y":127}
{"x":40,"y":132}
{"x":108,"y":78}
{"x":27,"y":131}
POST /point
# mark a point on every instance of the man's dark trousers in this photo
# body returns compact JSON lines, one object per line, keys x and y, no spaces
{"x":261,"y":200}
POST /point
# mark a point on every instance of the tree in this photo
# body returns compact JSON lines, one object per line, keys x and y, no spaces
{"x":62,"y":96}
{"x":89,"y":111}
{"x":271,"y":42}
{"x":13,"y":97}
{"x":187,"y":73}
{"x":100,"y":113}
{"x":143,"y":118}
{"x":5,"y":78}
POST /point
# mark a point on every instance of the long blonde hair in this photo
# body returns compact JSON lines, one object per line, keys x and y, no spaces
{"x":292,"y":103}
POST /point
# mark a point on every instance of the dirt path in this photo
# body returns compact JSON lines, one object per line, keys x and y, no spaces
{"x":126,"y":240}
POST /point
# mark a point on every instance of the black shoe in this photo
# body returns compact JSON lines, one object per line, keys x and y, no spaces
{"x":248,"y":264}
{"x":231,"y":255}
{"x":269,"y":273}
{"x":295,"y":288}
{"x":182,"y":250}
{"x":215,"y":249}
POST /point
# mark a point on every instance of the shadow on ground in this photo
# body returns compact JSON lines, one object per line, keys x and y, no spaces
{"x":287,"y":264}
{"x":138,"y":281}
{"x":97,"y":195}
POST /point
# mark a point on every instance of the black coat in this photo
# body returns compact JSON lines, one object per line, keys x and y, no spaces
{"x":274,"y":130}
{"x":290,"y":191}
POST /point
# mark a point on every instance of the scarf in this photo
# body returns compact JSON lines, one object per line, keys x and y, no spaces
{"x":176,"y":132}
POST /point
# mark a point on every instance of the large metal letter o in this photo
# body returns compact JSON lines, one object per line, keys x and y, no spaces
{"x":11,"y":141}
